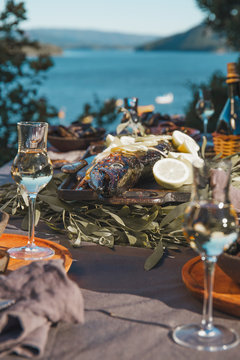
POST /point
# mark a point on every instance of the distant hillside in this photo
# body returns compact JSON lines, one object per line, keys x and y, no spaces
{"x":199,"y":38}
{"x":80,"y":39}
{"x":43,"y":49}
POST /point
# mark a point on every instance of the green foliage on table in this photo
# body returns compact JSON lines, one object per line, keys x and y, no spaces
{"x":153,"y":227}
{"x":20,"y":77}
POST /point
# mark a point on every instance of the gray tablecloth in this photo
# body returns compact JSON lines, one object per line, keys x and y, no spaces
{"x":129,"y":313}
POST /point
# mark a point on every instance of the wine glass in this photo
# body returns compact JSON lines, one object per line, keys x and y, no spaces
{"x":211,"y":226}
{"x":31,"y":170}
{"x":204,"y":109}
{"x":130,"y":122}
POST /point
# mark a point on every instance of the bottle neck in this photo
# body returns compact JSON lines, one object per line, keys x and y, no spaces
{"x":233,"y":89}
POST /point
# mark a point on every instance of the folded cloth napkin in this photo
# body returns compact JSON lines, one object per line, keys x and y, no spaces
{"x":44,"y":295}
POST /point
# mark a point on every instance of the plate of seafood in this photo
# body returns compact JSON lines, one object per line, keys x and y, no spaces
{"x":127,"y":171}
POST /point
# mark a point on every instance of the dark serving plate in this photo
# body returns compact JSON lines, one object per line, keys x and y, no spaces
{"x":149,"y":193}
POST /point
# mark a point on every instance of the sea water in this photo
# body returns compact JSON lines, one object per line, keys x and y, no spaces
{"x":79,"y":75}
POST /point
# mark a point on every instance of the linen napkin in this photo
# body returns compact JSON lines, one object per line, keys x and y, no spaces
{"x":44,"y":296}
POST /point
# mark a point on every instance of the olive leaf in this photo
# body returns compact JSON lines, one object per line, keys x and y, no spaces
{"x":155,"y":257}
{"x":131,"y":238}
{"x":175,"y":213}
{"x":174,"y":225}
{"x":53,"y":202}
{"x":24,"y":196}
{"x":115,"y":217}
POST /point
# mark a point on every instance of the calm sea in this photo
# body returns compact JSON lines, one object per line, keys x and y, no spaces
{"x":78,"y":75}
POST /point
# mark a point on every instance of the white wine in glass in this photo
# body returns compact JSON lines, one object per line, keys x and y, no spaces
{"x":31,"y":170}
{"x":210,"y":226}
{"x":204,"y":109}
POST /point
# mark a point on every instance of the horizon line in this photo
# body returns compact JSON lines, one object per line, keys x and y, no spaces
{"x":42,"y":27}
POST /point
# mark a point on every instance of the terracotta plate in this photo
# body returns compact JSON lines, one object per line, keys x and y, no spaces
{"x":226,"y":294}
{"x":11,"y":240}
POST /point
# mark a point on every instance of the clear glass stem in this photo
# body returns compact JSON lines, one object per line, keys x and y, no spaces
{"x":207,"y":318}
{"x":31,"y":219}
{"x":205,"y":124}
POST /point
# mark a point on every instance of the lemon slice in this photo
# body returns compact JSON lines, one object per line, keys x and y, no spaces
{"x":188,"y":159}
{"x":171,"y":173}
{"x":184,"y":143}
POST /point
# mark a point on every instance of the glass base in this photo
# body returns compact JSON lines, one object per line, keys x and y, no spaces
{"x":31,"y":252}
{"x":193,"y":336}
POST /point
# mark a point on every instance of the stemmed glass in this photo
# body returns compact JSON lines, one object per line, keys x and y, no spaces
{"x":130,"y":123}
{"x":211,"y":226}
{"x":204,"y":109}
{"x":31,"y":170}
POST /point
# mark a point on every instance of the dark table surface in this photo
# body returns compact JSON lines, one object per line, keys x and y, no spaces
{"x":129,"y":313}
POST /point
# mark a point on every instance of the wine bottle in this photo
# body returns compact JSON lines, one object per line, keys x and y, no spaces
{"x":229,"y":120}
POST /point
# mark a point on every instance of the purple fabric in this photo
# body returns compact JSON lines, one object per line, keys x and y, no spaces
{"x":44,"y":295}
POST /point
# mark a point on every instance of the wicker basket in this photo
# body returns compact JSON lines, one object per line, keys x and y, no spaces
{"x":226,"y":144}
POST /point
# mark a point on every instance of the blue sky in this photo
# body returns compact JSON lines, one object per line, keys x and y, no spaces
{"x":160,"y":17}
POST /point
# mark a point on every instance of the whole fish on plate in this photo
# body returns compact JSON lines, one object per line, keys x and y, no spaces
{"x":120,"y":170}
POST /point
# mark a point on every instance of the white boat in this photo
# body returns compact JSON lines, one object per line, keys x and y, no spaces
{"x":165,"y":99}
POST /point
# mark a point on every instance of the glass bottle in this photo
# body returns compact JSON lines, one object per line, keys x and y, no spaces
{"x":229,"y":120}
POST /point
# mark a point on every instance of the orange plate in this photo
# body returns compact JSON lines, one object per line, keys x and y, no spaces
{"x":226,"y":294}
{"x":8,"y":241}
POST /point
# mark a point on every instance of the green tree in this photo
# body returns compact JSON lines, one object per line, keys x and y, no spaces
{"x":223,"y":16}
{"x":218,"y":93}
{"x":103,"y":113}
{"x":20,"y":77}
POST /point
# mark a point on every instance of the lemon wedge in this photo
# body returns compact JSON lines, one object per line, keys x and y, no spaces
{"x":182,"y":156}
{"x":184,"y":143}
{"x":171,"y":173}
{"x":188,"y":147}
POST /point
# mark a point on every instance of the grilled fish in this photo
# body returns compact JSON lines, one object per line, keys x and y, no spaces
{"x":120,"y":171}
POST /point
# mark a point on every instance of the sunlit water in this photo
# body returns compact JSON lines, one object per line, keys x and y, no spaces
{"x":78,"y":75}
